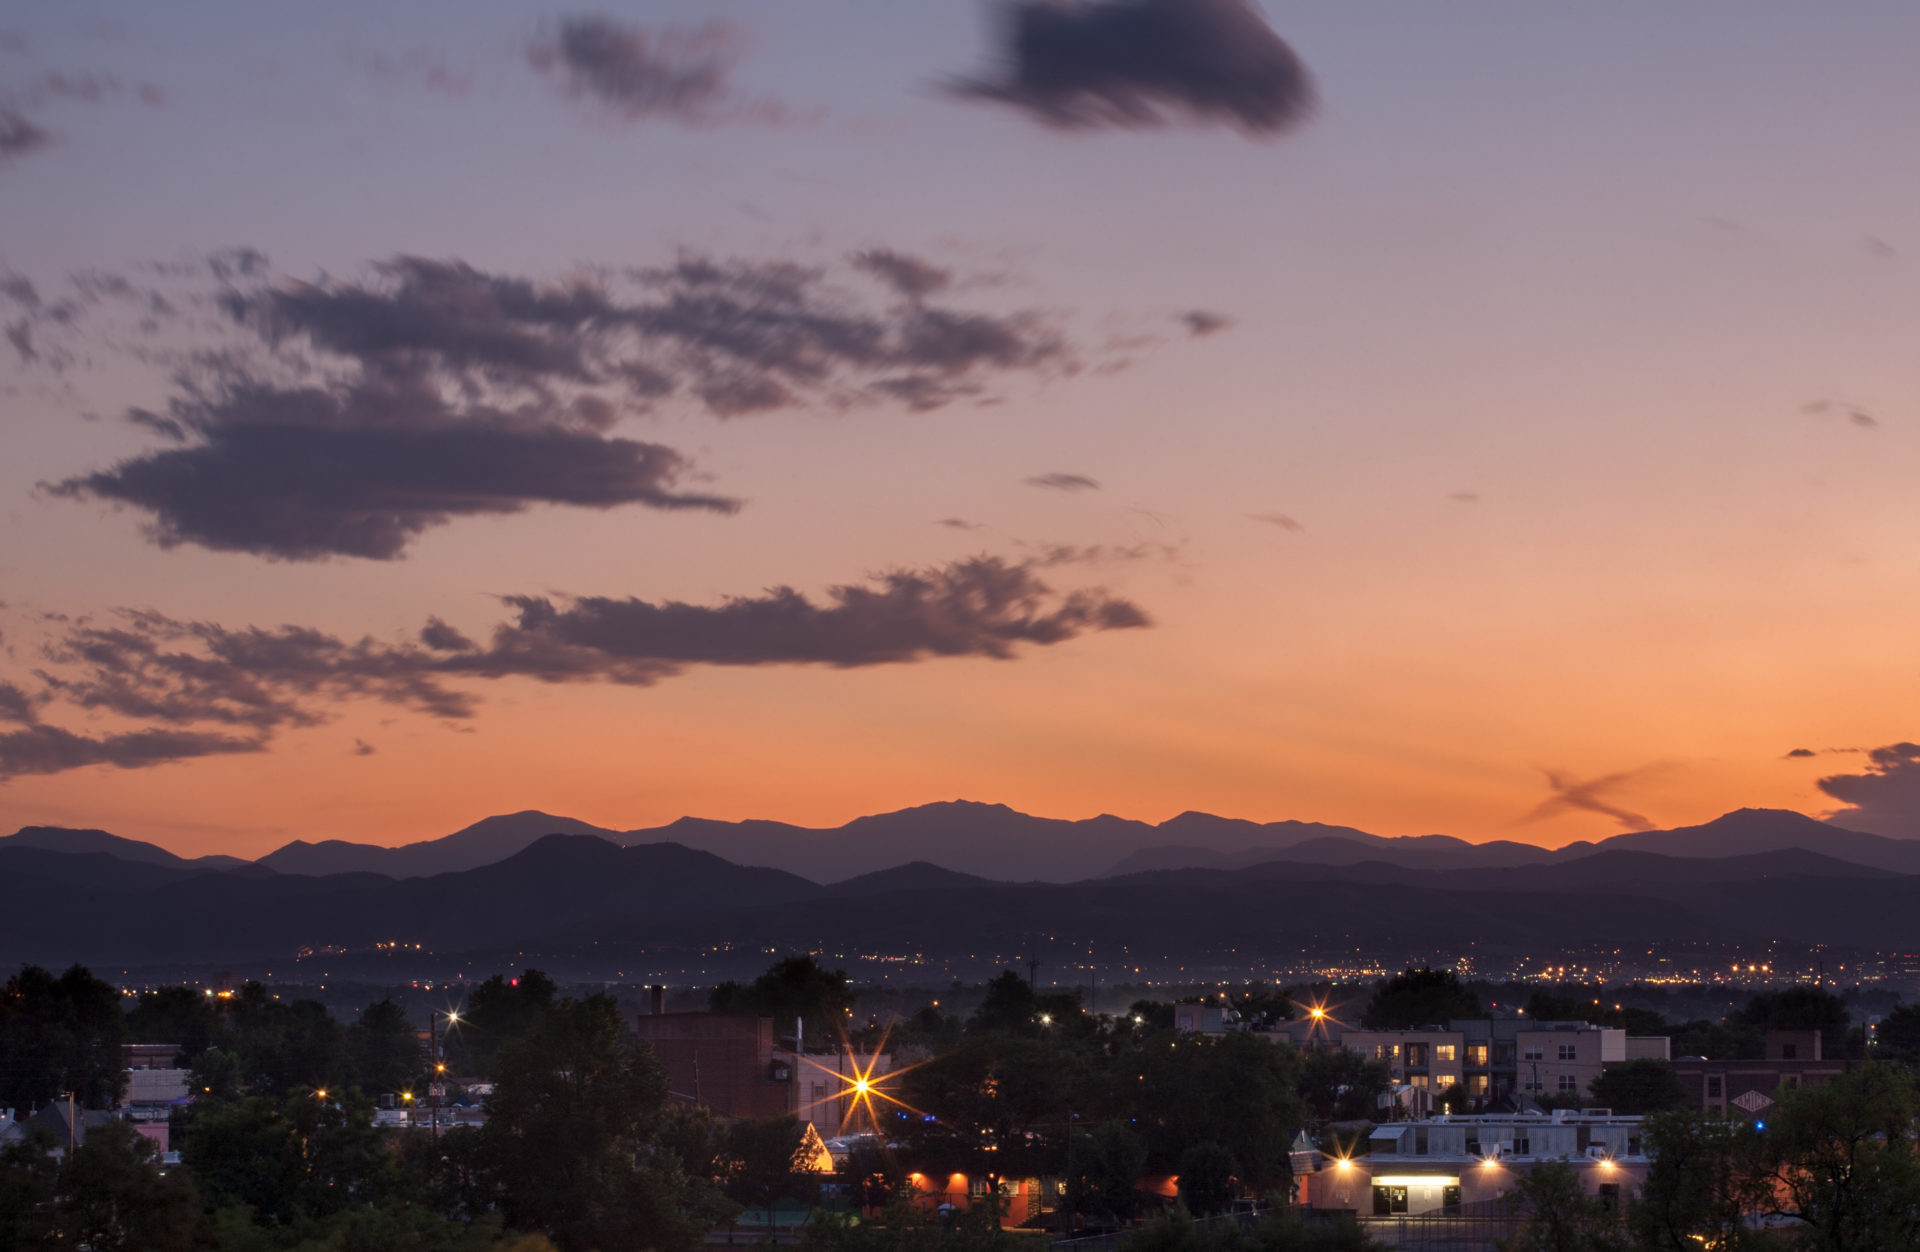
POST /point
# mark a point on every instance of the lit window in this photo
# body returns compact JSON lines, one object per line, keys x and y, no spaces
{"x":1443,"y":1052}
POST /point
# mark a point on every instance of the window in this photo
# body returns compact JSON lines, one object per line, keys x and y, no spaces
{"x":1379,"y":1051}
{"x":1610,"y":1196}
{"x":1443,"y":1052}
{"x":1569,"y":1082}
{"x":1476,"y":1054}
{"x":1789,"y":1051}
{"x":1419,"y":1140}
{"x":1478,"y":1084}
{"x":1389,"y":1200}
{"x":1522,"y":1145}
{"x":1416,"y":1054}
{"x":1714,"y":1088}
{"x":1633,"y":1145}
{"x":1534,"y":1052}
{"x":1450,"y":1198}
{"x":1533,"y":1082}
{"x":1790,"y":1081}
{"x":1568,"y":1051}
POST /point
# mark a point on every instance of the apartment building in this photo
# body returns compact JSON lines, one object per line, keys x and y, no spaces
{"x":1487,"y":1058}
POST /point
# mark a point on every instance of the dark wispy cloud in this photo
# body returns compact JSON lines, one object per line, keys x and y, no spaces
{"x":362,"y":748}
{"x":52,"y":750}
{"x":684,"y":74}
{"x":1464,"y":497}
{"x":1854,"y":413}
{"x":1059,"y":481}
{"x":911,"y":276}
{"x":1571,"y":794}
{"x":1282,"y":520}
{"x":423,"y":67}
{"x":1145,"y":63}
{"x":16,"y":705}
{"x":350,"y":416}
{"x":198,"y":688}
{"x":1800,"y":752}
{"x":20,"y":133}
{"x":957,"y":523}
{"x":1884,"y":799}
{"x":1200,"y":323}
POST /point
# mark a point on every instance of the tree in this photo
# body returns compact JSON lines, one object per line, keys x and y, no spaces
{"x":59,"y":1035}
{"x":1419,"y":997}
{"x":1701,"y":1183}
{"x":1841,"y":1158}
{"x":1799,"y":1008}
{"x":1719,"y":1041}
{"x":383,"y":1052}
{"x":176,"y":1015}
{"x":575,"y":1102}
{"x":113,"y":1197}
{"x":1342,"y":1086}
{"x":1209,"y":1179}
{"x":1557,"y":1215}
{"x":1238,"y":1091}
{"x":499,"y":1013}
{"x":1107,"y":1165}
{"x":796,"y":988}
{"x":760,"y":1161}
{"x":1010,"y":1007}
{"x":1898,"y":1037}
{"x":1638,"y":1087}
{"x":290,"y":1159}
{"x":29,"y":1180}
{"x":872,"y":1176}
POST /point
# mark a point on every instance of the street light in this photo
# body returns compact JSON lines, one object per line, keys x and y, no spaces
{"x":434,"y":1081}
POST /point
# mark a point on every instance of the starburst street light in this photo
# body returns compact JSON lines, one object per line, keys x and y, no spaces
{"x":860,"y":1087}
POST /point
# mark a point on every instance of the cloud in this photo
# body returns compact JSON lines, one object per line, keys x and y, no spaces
{"x":1852,"y":412}
{"x":1885,"y":798}
{"x":1464,"y":497}
{"x":16,"y":705}
{"x":362,"y":470}
{"x":1876,"y":246}
{"x":1570,"y":794}
{"x":1058,"y":481}
{"x":957,"y":523}
{"x":19,"y":135}
{"x":362,"y":748}
{"x":51,"y":750}
{"x":909,"y":275}
{"x":422,"y":66}
{"x":1800,"y":752}
{"x":153,"y":668}
{"x":682,"y":74}
{"x":345,"y":418}
{"x":192,"y":685}
{"x":982,"y":606}
{"x":1281,"y":520}
{"x":1200,"y":323}
{"x":1146,"y":63}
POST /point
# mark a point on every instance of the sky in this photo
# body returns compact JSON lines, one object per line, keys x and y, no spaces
{"x":1490,"y":419}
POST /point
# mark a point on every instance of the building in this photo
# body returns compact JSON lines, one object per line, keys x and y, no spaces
{"x":1750,"y":1088}
{"x":1487,"y":1058}
{"x":1468,"y":1164}
{"x":735,"y":1066}
{"x":156,"y":1085}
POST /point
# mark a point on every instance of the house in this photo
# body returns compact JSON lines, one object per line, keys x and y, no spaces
{"x":1749,"y":1088}
{"x":1465,"y":1164}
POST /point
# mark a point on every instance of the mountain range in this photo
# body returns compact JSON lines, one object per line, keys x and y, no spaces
{"x":1751,"y":876}
{"x":997,"y":843}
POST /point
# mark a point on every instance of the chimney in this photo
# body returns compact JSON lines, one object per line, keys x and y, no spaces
{"x":657,"y":999}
